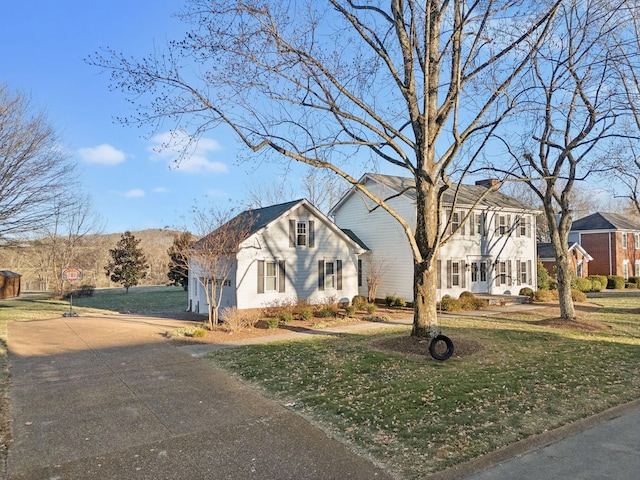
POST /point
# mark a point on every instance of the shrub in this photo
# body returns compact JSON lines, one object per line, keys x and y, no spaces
{"x":326,"y":312}
{"x":306,"y":313}
{"x":582,"y":284}
{"x":615,"y":282}
{"x":389,"y":300}
{"x":468,"y":301}
{"x":526,"y":291}
{"x":578,"y":296}
{"x":449,"y":304}
{"x":545,"y":295}
{"x":399,"y":302}
{"x":349,"y":309}
{"x":544,"y":282}
{"x":272,"y":323}
{"x":600,"y":278}
{"x":370,"y":308}
{"x":359,"y":302}
{"x":197,"y":332}
{"x":596,"y":285}
{"x":635,"y":280}
{"x":630,"y":285}
{"x":285,"y":317}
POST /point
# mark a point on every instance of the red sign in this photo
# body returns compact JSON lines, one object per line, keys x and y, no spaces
{"x":72,"y":274}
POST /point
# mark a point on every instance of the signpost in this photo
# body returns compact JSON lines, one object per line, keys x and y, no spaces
{"x":71,"y":275}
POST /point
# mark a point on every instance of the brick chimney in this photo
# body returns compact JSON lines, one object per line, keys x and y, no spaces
{"x":488,"y":183}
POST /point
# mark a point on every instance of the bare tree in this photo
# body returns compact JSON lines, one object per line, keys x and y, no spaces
{"x":212,"y":258}
{"x":376,"y":268}
{"x":62,"y":243}
{"x":321,"y":187}
{"x":405,"y":82}
{"x":34,"y":170}
{"x":573,"y":105}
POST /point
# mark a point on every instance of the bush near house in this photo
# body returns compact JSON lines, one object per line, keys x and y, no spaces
{"x":578,"y":296}
{"x":545,"y":295}
{"x":526,"y":291}
{"x":450,"y":304}
{"x":615,"y":282}
{"x":582,"y":284}
{"x":359,"y":302}
{"x":602,"y":279}
{"x":630,"y":285}
{"x":635,"y":280}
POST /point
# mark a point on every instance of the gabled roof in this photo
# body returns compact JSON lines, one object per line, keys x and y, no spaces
{"x":355,"y":238}
{"x":468,"y":195}
{"x":257,"y":219}
{"x":606,"y":221}
{"x":546,"y":250}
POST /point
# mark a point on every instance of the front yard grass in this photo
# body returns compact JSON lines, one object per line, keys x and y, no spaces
{"x":416,"y":416}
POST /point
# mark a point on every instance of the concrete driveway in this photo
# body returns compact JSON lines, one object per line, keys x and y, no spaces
{"x":109,"y":398}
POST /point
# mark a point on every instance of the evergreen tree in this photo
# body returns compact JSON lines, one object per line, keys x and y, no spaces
{"x":178,"y":262}
{"x":129,"y":264}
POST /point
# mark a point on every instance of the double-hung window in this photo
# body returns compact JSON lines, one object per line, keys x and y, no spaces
{"x":302,"y":233}
{"x":329,"y":274}
{"x":624,"y":240}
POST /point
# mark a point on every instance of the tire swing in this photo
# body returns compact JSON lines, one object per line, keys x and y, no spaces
{"x":441,"y":348}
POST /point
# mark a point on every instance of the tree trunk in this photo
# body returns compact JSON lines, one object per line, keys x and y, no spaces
{"x":563,"y":269}
{"x":425,"y":313}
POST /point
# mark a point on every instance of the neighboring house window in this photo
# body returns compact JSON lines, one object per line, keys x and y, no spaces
{"x":474,"y":271}
{"x":637,"y":272}
{"x":625,"y":270}
{"x":579,"y":272}
{"x":301,"y":234}
{"x":224,"y":283}
{"x":636,"y":240}
{"x":271,"y":276}
{"x":624,"y":240}
{"x":483,"y":271}
{"x":330,"y":274}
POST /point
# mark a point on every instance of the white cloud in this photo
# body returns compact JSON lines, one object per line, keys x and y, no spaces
{"x":169,"y":146}
{"x":160,"y":190}
{"x":102,"y":154}
{"x":134,"y":193}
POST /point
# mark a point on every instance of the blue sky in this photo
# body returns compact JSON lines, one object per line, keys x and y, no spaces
{"x":132,"y":187}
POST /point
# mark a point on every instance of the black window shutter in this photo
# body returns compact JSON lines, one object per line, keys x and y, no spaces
{"x":312,"y":236}
{"x":281,"y":276}
{"x":339,"y":274}
{"x":463,"y":274}
{"x":320,"y":274}
{"x":359,"y":272}
{"x":449,"y":268}
{"x":292,"y":233}
{"x":260,"y":276}
{"x":439,"y":274}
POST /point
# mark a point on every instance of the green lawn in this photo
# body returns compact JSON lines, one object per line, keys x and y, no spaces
{"x":418,"y":416}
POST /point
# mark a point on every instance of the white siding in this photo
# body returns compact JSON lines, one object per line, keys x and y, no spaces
{"x":301,"y":264}
{"x":386,"y":239}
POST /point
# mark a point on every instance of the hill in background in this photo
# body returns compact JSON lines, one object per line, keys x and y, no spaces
{"x":35,"y":260}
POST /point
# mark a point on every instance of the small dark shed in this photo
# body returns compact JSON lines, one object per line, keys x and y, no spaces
{"x":9,"y":284}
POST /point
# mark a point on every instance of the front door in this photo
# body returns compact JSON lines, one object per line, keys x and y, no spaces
{"x":479,"y":276}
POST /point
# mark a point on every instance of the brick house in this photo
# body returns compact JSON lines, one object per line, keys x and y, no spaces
{"x":613,"y":240}
{"x":578,"y":257}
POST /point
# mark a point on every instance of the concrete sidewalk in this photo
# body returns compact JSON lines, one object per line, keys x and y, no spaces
{"x":108,"y":398}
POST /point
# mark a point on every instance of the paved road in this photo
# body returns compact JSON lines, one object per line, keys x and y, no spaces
{"x":108,"y":398}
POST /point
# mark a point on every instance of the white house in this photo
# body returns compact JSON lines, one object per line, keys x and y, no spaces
{"x":290,"y":251}
{"x":494,"y":251}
